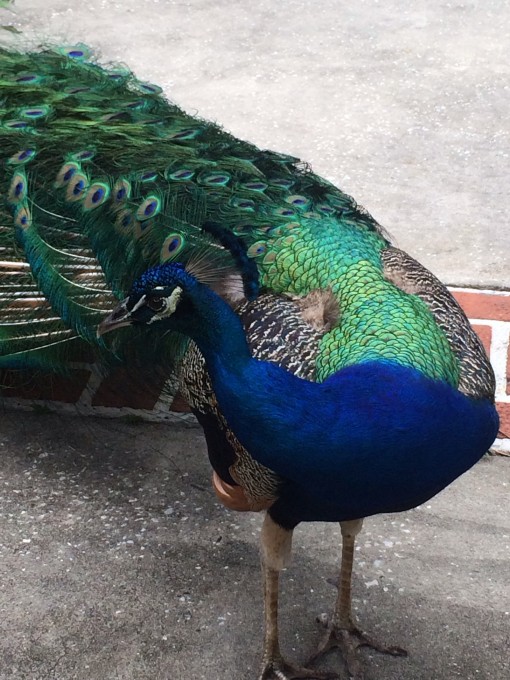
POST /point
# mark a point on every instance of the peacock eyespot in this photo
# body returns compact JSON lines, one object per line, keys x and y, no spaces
{"x":214,"y":179}
{"x":86,"y":155}
{"x":243,"y":203}
{"x":150,"y":88}
{"x":16,"y":124}
{"x":172,"y":245}
{"x":66,"y":173}
{"x":121,"y":192}
{"x":23,"y":218}
{"x":149,"y":207}
{"x":148,"y":176}
{"x":77,"y":90}
{"x":258,"y":248}
{"x":18,"y":188}
{"x":181,"y":175}
{"x":282,"y":183}
{"x":21,"y":157}
{"x":37,"y":112}
{"x":298,"y":201}
{"x":27,"y":78}
{"x":79,"y":52}
{"x":134,"y":105}
{"x":78,"y":187}
{"x":255,"y":186}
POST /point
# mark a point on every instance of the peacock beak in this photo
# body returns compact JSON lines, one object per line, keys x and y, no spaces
{"x":120,"y":316}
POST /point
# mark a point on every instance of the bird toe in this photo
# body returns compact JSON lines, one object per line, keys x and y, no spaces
{"x":348,"y":640}
{"x":279,"y":669}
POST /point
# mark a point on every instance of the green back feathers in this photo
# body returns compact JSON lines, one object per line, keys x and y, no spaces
{"x":102,"y":177}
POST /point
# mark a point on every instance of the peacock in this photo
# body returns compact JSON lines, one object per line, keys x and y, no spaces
{"x":333,"y":375}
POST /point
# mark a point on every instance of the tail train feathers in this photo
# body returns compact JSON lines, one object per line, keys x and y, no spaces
{"x":102,"y":178}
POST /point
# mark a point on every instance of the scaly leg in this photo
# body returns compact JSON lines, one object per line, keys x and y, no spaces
{"x":342,"y":631}
{"x":276,"y":545}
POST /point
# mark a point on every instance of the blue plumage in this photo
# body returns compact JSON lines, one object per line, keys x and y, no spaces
{"x":374,"y":437}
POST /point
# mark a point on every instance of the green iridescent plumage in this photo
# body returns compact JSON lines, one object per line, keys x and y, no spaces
{"x":101,"y":177}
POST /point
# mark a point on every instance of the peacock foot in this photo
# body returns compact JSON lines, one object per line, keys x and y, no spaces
{"x":279,"y":669}
{"x":348,"y":640}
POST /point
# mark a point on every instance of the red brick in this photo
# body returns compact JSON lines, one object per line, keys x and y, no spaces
{"x":485,"y":335}
{"x":126,"y":389}
{"x":51,"y":387}
{"x":508,"y":372}
{"x":484,"y":305}
{"x":504,"y":420}
{"x":179,"y":404}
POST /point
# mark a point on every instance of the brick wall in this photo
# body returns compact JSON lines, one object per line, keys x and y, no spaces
{"x":489,"y":312}
{"x":119,"y":395}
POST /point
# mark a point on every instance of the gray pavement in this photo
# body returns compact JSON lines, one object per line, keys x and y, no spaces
{"x":116,"y":560}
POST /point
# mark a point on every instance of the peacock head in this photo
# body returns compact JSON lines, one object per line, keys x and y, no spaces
{"x":158,"y":296}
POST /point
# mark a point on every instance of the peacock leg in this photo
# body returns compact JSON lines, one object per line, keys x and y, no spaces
{"x":342,"y":632}
{"x":276,"y":543}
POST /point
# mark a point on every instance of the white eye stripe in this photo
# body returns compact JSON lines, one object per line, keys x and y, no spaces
{"x":139,"y":304}
{"x":171,"y":305}
{"x":173,"y":300}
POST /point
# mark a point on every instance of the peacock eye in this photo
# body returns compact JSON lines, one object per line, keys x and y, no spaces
{"x":156,"y":304}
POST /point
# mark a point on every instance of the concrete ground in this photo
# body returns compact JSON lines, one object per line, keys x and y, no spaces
{"x":116,"y":561}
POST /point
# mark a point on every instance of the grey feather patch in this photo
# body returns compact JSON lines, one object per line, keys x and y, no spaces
{"x":476,"y":374}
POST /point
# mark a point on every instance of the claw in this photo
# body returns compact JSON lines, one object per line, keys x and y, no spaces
{"x":279,"y":669}
{"x":349,"y":640}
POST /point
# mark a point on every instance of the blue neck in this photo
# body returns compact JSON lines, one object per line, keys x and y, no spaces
{"x":216,"y":330}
